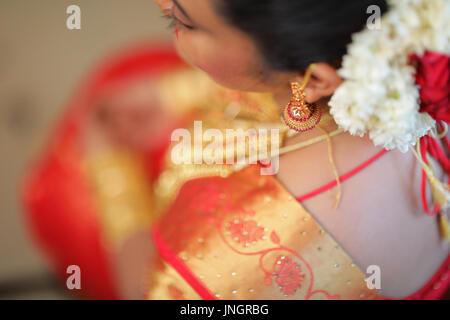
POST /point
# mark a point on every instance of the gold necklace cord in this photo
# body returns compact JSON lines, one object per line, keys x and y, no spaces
{"x":302,"y":145}
{"x":333,"y":164}
{"x":326,"y":136}
{"x":309,"y":142}
{"x":307,"y":76}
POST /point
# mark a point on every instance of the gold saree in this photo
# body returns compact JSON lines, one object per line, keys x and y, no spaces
{"x":237,"y":234}
{"x":246,"y":237}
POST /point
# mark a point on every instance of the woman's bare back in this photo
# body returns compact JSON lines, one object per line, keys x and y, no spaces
{"x":380,"y":220}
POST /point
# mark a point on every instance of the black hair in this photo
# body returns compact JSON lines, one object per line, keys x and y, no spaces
{"x":292,"y":34}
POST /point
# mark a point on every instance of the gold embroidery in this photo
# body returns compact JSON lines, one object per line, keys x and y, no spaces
{"x":243,"y":240}
{"x":122,"y":192}
{"x":194,"y":95}
{"x":167,"y":284}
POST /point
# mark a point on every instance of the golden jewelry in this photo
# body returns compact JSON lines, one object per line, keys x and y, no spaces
{"x":300,"y":115}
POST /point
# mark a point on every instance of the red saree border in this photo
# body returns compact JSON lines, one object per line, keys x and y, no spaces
{"x":173,"y":260}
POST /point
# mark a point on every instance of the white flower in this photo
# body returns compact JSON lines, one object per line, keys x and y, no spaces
{"x":379,"y":95}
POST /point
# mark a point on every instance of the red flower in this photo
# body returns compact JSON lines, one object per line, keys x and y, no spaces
{"x":245,"y":232}
{"x":433,"y":76}
{"x":288,"y":274}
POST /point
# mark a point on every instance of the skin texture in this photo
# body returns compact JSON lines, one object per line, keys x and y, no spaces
{"x":380,"y":220}
{"x":231,"y":58}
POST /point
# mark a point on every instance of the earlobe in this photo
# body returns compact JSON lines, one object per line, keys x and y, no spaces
{"x":325,"y":80}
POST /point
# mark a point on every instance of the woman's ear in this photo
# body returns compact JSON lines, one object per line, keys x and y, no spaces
{"x":324,"y":81}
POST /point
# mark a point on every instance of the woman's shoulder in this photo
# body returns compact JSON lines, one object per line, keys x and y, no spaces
{"x":380,"y":220}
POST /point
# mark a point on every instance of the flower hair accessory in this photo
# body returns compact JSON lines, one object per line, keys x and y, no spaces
{"x":382,"y":72}
{"x":396,"y":88}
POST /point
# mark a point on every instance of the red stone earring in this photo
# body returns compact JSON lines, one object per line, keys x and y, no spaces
{"x":300,"y":115}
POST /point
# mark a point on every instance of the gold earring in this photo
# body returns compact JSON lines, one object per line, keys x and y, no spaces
{"x":300,"y":115}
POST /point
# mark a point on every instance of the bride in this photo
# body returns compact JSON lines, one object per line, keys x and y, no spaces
{"x":266,"y":45}
{"x":359,"y":144}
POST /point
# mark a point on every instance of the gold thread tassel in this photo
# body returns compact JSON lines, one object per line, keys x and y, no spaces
{"x":440,"y":191}
{"x":333,"y":164}
{"x":445,"y":227}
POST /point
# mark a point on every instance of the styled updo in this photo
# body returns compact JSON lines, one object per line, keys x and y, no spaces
{"x":292,"y":34}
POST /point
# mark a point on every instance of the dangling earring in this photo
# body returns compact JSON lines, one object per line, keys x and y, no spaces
{"x":300,"y":115}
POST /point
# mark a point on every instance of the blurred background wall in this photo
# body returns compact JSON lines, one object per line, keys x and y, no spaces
{"x":41,"y":62}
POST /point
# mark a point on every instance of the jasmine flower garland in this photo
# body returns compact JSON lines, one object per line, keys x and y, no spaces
{"x":379,"y":95}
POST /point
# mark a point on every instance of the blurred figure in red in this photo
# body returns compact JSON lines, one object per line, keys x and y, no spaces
{"x":92,"y":187}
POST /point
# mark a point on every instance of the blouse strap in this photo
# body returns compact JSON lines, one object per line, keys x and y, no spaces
{"x":343,"y":177}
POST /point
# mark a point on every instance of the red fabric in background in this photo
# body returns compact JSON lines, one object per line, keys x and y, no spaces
{"x":58,"y":201}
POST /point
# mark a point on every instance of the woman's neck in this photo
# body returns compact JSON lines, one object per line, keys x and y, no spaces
{"x":282,"y":98}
